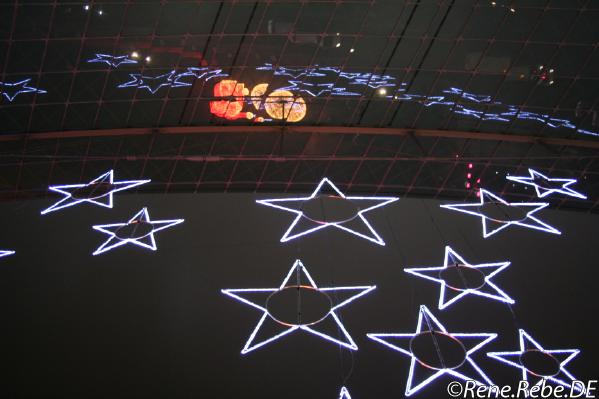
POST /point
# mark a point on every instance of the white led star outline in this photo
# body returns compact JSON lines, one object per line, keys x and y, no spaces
{"x":105,"y":200}
{"x":488,"y":290}
{"x":543,"y":190}
{"x":154,"y":83}
{"x":411,"y":387}
{"x":4,"y":253}
{"x":147,"y":241}
{"x":513,"y":359}
{"x":529,"y":221}
{"x":288,"y":236}
{"x":23,"y":87}
{"x":348,"y":341}
{"x":111,"y":60}
{"x":344,"y":393}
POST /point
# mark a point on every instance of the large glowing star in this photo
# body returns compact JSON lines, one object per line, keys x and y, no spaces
{"x":259,"y":298}
{"x":458,"y":278}
{"x":111,"y":60}
{"x":304,"y":224}
{"x":154,"y":83}
{"x":11,"y":90}
{"x":545,"y":186}
{"x":551,"y":364}
{"x":139,"y":230}
{"x":344,"y":393}
{"x":4,"y":253}
{"x":98,"y":191}
{"x":497,"y":214}
{"x":422,"y":373}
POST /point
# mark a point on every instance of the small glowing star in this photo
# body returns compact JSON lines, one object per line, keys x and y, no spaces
{"x":449,"y":294}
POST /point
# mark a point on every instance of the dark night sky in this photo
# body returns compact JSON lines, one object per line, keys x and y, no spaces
{"x":135,"y":323}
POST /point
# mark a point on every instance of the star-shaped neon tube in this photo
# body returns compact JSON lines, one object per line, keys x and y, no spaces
{"x":99,"y":191}
{"x":530,"y":348}
{"x":459,"y":278}
{"x":545,"y":186}
{"x":139,"y":230}
{"x":495,"y":219}
{"x":154,"y":83}
{"x":316,"y":325}
{"x":10,"y":91}
{"x":421,"y":373}
{"x":4,"y":253}
{"x":303,"y":224}
{"x":111,"y":60}
{"x":344,"y":393}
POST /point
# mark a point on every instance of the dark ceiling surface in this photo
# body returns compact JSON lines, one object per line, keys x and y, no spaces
{"x":398,"y":96}
{"x":133,"y":323}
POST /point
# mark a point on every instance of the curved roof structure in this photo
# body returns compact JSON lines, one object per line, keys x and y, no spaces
{"x":433,"y":98}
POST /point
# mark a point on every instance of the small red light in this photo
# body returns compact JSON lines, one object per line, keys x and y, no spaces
{"x":469,"y":175}
{"x":478,"y":180}
{"x":468,"y":185}
{"x":470,"y":166}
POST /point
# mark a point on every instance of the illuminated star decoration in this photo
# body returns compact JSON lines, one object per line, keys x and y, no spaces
{"x":492,"y":226}
{"x":11,"y":90}
{"x":4,"y":253}
{"x":317,"y":89}
{"x":449,"y":294}
{"x":287,"y":204}
{"x":471,"y":343}
{"x":545,"y":186}
{"x":101,"y":198}
{"x":206,"y":73}
{"x":154,"y":83}
{"x":344,"y":393}
{"x":112,"y":61}
{"x":144,"y":240}
{"x":248,"y":295}
{"x":563,"y":356}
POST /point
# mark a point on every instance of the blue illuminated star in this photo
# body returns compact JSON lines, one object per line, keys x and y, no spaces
{"x":154,"y":83}
{"x":344,"y":393}
{"x":317,"y":89}
{"x":449,"y":294}
{"x":101,"y":191}
{"x":144,"y":239}
{"x":528,"y":344}
{"x":545,"y":186}
{"x":112,"y":61}
{"x":4,"y":253}
{"x":292,"y":204}
{"x":294,"y":73}
{"x":248,"y":297}
{"x":492,"y":225}
{"x":206,"y":73}
{"x":11,"y":90}
{"x":468,"y":370}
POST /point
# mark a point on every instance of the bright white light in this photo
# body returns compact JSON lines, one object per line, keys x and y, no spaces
{"x":563,"y":356}
{"x":290,"y":234}
{"x":148,"y":58}
{"x":135,"y":54}
{"x":104,"y":200}
{"x":448,"y":295}
{"x":544,"y":186}
{"x":146,"y":241}
{"x":471,"y":342}
{"x":338,"y":45}
{"x":529,"y":220}
{"x":351,"y":50}
{"x":382,"y":91}
{"x":4,"y":253}
{"x":344,"y":393}
{"x":296,"y":270}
